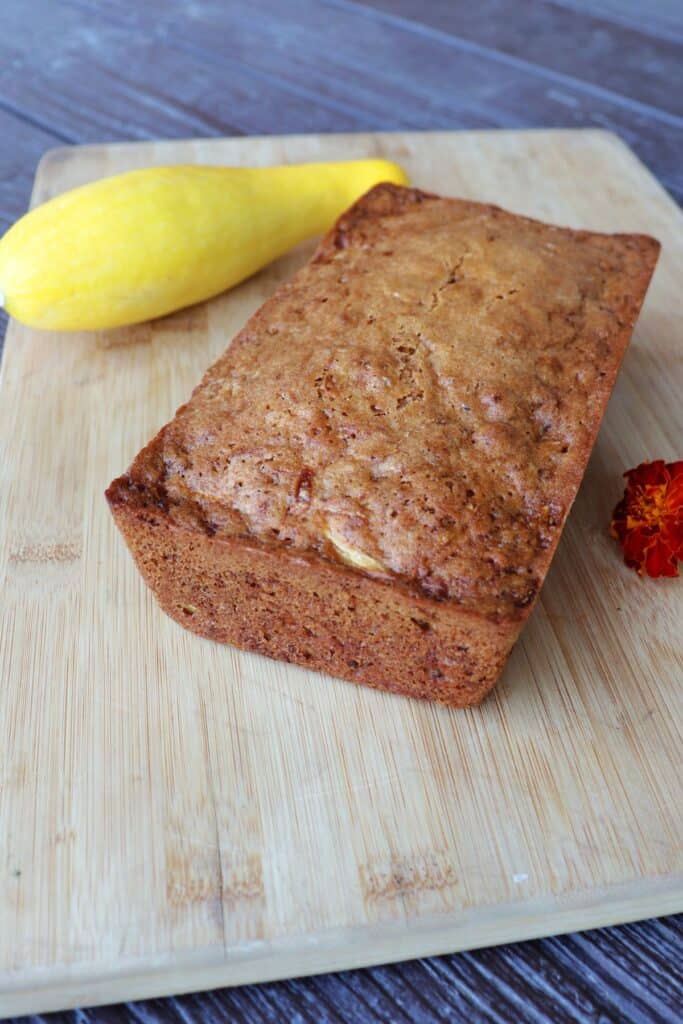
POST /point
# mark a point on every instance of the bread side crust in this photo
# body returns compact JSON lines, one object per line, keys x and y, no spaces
{"x":314,"y":613}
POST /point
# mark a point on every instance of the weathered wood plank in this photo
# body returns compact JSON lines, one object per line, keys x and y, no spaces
{"x":614,"y":975}
{"x":589,"y":48}
{"x":155,"y":69}
{"x":106,"y":81}
{"x":386,"y":70}
{"x":660,"y":17}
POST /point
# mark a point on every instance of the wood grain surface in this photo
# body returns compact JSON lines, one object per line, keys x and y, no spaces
{"x":66,"y":76}
{"x":179,"y":814}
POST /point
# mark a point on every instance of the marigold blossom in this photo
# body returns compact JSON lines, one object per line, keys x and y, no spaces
{"x":648,"y":521}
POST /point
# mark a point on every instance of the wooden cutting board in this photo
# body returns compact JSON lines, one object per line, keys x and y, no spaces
{"x":178,"y":815}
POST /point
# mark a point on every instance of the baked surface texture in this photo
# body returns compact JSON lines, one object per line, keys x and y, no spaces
{"x":373,"y":478}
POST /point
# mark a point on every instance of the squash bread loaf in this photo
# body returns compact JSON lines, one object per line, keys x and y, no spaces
{"x":373,"y":478}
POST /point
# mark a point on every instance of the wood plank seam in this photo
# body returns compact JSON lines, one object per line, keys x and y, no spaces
{"x":467,"y":46}
{"x":648,"y":25}
{"x":21,"y":115}
{"x":257,"y":74}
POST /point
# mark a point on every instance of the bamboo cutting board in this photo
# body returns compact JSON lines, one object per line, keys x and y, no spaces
{"x":178,"y":815}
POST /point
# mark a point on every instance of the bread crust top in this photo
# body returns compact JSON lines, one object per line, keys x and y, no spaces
{"x":418,"y":402}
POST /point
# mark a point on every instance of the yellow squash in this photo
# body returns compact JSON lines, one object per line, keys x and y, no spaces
{"x":142,"y":244}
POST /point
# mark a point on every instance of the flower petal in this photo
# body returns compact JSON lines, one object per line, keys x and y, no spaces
{"x":635,"y":545}
{"x":674,"y":494}
{"x":659,"y":560}
{"x":672,"y":535}
{"x":648,"y":521}
{"x":648,"y":474}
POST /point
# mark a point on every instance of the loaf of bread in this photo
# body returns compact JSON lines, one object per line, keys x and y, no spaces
{"x":372,"y":479}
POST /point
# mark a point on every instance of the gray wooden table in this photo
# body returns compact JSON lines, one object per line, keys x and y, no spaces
{"x":74,"y":71}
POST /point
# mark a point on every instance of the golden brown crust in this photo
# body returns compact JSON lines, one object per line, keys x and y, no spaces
{"x":422,"y":396}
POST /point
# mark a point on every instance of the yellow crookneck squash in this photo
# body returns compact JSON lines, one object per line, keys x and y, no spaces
{"x":142,"y":244}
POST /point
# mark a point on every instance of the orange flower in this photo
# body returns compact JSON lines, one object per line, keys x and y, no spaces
{"x":648,"y":521}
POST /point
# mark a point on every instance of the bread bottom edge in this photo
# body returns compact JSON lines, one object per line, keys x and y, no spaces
{"x":315,"y":614}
